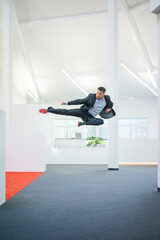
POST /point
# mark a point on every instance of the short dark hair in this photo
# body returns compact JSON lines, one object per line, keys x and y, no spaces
{"x":101,"y":89}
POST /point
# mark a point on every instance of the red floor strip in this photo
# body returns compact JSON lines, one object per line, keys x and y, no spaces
{"x":16,"y":181}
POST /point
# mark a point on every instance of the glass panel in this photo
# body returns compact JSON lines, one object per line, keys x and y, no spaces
{"x":128,"y":128}
{"x":103,"y":132}
{"x":133,"y":128}
{"x":139,"y":132}
{"x":61,"y":122}
{"x":72,"y":122}
{"x":72,"y":133}
{"x":89,"y":132}
{"x":60,"y":132}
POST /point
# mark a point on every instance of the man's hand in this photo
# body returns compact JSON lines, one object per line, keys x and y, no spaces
{"x":107,"y":110}
{"x":63,"y":103}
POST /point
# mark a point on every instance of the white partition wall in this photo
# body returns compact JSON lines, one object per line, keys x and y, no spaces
{"x":27,"y":121}
{"x":26,"y":118}
{"x":91,"y":155}
{"x":2,"y":157}
{"x":28,"y":143}
{"x":25,"y":152}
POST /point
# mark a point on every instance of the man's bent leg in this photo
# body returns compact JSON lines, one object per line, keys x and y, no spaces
{"x":94,"y":121}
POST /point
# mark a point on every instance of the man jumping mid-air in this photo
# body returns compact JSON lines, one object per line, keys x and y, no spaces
{"x":93,"y":105}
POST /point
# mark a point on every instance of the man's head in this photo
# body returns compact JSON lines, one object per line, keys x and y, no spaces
{"x":100,"y":92}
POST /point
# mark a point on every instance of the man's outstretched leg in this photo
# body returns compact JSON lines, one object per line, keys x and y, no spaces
{"x":87,"y":118}
{"x":68,"y":112}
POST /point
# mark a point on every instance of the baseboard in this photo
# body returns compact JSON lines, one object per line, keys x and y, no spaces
{"x":139,"y":163}
{"x":113,"y":168}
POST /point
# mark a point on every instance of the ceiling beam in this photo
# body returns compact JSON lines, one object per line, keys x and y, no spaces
{"x":39,"y":22}
{"x":128,"y":69}
{"x":140,"y":43}
{"x":26,"y":55}
{"x":139,"y":6}
{"x":7,"y":62}
{"x":32,"y":95}
{"x":74,"y":81}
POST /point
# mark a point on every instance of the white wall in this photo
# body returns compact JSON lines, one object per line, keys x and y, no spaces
{"x":92,"y":155}
{"x":132,"y":151}
{"x":138,"y":150}
{"x":141,"y":108}
{"x":2,"y":156}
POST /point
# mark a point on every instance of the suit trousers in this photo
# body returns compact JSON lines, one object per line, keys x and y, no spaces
{"x":77,"y":112}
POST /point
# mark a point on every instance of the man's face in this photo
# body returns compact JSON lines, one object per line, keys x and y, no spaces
{"x":100,"y":94}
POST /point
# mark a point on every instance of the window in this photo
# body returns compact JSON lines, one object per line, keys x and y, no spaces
{"x":68,"y":129}
{"x":133,"y":128}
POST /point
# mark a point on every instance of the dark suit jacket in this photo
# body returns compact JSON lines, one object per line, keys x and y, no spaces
{"x":89,"y":101}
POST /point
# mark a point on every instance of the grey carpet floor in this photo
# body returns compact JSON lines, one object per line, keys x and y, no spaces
{"x":85,"y":203}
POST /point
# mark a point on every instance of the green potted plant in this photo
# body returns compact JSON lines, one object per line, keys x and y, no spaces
{"x":95,"y":141}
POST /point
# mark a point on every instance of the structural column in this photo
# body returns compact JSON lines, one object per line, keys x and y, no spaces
{"x":155,"y":8}
{"x":2,"y":156}
{"x":113,"y":82}
{"x":158,"y":18}
{"x":7,"y":61}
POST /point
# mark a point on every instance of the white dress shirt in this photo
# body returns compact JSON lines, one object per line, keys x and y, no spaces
{"x":97,"y":107}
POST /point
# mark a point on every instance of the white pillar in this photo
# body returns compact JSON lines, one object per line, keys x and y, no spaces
{"x":155,"y":8}
{"x":113,"y":82}
{"x":158,"y":22}
{"x":7,"y":61}
{"x":2,"y":157}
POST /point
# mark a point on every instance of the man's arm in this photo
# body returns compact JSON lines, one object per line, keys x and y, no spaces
{"x":107,"y":110}
{"x":109,"y":102}
{"x":77,"y":101}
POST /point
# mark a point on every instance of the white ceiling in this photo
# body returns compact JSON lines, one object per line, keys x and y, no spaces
{"x":56,"y":37}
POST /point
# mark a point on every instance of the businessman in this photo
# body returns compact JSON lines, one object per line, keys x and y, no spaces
{"x":93,"y":105}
